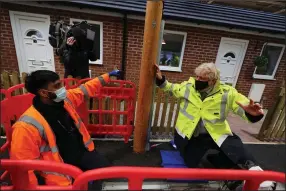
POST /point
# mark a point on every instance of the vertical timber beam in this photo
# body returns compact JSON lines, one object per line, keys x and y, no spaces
{"x":153,"y":18}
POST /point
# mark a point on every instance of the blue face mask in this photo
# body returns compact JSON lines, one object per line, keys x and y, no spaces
{"x":61,"y":94}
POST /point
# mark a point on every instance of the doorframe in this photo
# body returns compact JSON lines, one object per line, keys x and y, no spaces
{"x":243,"y":55}
{"x":19,"y":49}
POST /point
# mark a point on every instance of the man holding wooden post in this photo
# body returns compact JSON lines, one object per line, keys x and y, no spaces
{"x":205,"y":103}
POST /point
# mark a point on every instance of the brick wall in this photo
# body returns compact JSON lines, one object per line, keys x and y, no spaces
{"x":112,"y":37}
{"x":201,"y":46}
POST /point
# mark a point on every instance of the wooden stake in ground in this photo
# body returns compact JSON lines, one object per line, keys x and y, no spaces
{"x":153,"y":20}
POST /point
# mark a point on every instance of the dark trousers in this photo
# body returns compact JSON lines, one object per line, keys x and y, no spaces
{"x":90,"y":161}
{"x":232,"y":153}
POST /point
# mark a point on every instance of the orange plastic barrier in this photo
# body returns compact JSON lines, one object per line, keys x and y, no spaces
{"x":121,"y":91}
{"x":135,"y":175}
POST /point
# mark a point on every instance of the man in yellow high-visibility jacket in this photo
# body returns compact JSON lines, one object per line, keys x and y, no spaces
{"x":201,"y":124}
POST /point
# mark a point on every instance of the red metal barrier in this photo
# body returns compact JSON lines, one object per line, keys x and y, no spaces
{"x":18,"y":170}
{"x":117,"y":91}
{"x":136,"y":176}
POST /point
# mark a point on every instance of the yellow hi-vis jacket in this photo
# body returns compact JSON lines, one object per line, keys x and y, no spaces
{"x":213,"y":110}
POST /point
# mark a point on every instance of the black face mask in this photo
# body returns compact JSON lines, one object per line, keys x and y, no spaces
{"x":200,"y":85}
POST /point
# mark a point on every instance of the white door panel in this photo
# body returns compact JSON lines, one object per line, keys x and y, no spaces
{"x":30,"y":33}
{"x":230,"y":58}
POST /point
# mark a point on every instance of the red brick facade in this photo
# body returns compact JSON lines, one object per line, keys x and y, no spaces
{"x":201,"y":46}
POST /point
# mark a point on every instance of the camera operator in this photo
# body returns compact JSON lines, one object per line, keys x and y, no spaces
{"x":75,"y":59}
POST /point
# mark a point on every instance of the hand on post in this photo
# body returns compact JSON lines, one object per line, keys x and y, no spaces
{"x":158,"y":72}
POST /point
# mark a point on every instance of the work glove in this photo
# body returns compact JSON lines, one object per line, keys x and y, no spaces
{"x":114,"y":73}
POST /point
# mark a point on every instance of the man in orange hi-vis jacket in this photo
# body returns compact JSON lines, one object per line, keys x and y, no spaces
{"x":51,"y":129}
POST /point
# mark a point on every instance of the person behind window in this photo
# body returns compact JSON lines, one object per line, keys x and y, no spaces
{"x":202,"y":125}
{"x":51,"y":129}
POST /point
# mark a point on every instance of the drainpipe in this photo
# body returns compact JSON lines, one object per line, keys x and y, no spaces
{"x":124,"y":45}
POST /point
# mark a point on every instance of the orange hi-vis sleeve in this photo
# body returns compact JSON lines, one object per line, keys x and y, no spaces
{"x":78,"y":95}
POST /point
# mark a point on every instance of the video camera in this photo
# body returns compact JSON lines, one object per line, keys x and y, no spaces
{"x":82,"y":32}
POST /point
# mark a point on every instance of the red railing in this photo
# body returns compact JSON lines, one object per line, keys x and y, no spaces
{"x":135,"y":175}
{"x":18,"y":170}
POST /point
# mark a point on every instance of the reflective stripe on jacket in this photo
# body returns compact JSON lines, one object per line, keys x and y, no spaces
{"x":213,"y":110}
{"x":33,"y":138}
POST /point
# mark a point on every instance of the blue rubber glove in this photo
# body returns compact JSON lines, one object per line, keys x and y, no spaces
{"x":115,"y":73}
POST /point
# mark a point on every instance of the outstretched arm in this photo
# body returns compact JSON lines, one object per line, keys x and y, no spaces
{"x":89,"y":89}
{"x":246,"y":108}
{"x":172,"y":88}
{"x":78,"y":95}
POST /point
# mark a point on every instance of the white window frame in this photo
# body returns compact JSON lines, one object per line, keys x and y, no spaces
{"x":267,"y":77}
{"x":176,"y":69}
{"x":98,"y":61}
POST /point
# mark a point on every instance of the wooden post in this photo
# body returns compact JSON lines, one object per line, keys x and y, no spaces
{"x":269,"y":120}
{"x":153,"y":20}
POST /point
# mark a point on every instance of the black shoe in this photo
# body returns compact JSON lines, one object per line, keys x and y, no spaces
{"x":95,"y":185}
{"x":248,"y":164}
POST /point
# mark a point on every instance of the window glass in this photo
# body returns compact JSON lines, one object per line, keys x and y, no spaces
{"x":273,"y":54}
{"x":172,"y":49}
{"x":34,"y":33}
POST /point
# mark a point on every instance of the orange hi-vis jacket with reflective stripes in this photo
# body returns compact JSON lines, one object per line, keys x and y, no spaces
{"x":33,"y":139}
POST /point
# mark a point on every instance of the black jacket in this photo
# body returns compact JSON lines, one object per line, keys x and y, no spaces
{"x":76,"y":61}
{"x":68,"y":138}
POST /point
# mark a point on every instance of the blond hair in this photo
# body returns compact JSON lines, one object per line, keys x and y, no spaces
{"x":209,"y":70}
